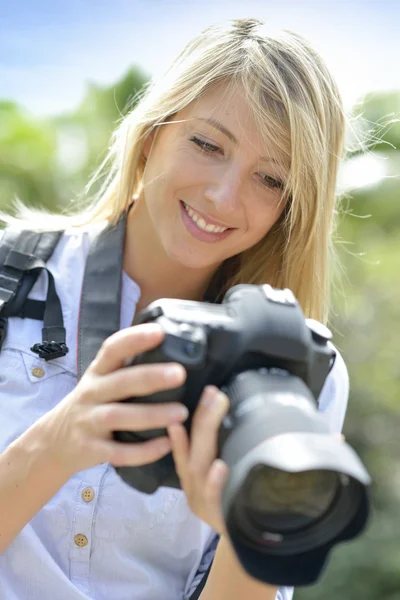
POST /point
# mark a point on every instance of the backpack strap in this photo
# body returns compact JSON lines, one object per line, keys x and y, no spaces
{"x":23,"y":256}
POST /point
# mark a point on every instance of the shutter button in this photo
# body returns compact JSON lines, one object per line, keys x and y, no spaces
{"x":37,"y":372}
{"x":81,"y":540}
{"x":87,"y":494}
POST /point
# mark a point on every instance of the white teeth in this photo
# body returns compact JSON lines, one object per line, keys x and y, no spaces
{"x":200,"y":222}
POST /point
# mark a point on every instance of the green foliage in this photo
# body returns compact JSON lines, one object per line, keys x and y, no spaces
{"x":27,"y":165}
{"x":367,"y":331}
{"x":379,"y":114}
{"x":48,"y":162}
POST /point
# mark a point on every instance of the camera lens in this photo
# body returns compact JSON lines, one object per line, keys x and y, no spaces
{"x":279,"y":501}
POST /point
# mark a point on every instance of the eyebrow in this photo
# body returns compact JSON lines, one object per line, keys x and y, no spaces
{"x":217,"y":125}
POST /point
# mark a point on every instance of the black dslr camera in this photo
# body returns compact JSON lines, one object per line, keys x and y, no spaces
{"x":294,"y":490}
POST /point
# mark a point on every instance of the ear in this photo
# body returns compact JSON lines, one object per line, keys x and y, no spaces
{"x":148,"y":142}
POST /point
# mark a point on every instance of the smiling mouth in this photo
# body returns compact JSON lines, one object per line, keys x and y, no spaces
{"x":202,"y":223}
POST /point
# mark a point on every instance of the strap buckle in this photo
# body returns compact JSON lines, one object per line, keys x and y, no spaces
{"x":50,"y":350}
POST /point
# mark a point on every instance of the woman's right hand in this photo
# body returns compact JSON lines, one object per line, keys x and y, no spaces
{"x":79,"y":429}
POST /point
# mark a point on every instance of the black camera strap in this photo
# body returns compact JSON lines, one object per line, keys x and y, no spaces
{"x":100,"y":308}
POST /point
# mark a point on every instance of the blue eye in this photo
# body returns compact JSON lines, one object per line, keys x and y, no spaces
{"x":204,"y":146}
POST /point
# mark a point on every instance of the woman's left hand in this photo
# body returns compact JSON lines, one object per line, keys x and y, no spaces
{"x":202,"y":475}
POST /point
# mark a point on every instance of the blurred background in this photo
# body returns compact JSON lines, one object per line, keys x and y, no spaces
{"x":67,"y":71}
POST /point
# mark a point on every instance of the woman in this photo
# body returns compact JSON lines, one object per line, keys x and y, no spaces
{"x":228,"y":165}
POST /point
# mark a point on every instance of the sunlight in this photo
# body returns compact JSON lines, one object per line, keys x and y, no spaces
{"x":362,"y":171}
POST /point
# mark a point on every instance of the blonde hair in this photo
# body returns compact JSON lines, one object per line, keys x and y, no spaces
{"x":298,"y":109}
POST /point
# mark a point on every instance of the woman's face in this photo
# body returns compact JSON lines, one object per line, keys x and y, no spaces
{"x":211,"y":187}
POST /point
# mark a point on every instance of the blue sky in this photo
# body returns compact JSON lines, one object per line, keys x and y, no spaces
{"x":50,"y":49}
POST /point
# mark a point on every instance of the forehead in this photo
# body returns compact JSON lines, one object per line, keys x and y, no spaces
{"x":226,"y":104}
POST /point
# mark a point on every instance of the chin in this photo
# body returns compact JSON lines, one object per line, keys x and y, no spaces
{"x":194,"y":261}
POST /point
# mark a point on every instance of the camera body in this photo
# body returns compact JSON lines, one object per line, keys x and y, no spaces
{"x":257,"y":328}
{"x":293,"y":489}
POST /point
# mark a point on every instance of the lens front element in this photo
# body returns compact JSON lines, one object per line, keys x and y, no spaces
{"x":283,"y":502}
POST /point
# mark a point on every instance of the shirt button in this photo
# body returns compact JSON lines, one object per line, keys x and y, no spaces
{"x":81,"y":540}
{"x":87,"y":494}
{"x":37,"y":372}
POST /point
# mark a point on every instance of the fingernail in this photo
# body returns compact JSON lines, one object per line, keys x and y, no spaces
{"x":220,"y":472}
{"x":213,"y":398}
{"x":178,"y":413}
{"x":172,"y":372}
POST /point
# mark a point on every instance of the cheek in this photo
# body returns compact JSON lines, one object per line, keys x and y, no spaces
{"x":263,"y":216}
{"x":186,"y":172}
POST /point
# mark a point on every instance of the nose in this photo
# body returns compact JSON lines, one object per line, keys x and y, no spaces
{"x":225,"y":189}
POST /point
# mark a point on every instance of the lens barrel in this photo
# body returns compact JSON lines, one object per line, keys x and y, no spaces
{"x":293,"y":487}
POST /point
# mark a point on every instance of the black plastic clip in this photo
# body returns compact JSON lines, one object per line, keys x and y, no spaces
{"x":50,"y":350}
{"x":3,"y":330}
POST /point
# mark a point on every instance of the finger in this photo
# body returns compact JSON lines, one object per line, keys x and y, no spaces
{"x":128,"y":382}
{"x":216,"y":479}
{"x":125,"y":344}
{"x":180,"y":447}
{"x":217,"y":476}
{"x":215,"y":482}
{"x":119,"y":454}
{"x":137,"y":417}
{"x":207,"y":419}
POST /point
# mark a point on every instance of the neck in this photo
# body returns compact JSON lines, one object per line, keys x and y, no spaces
{"x":157,"y":275}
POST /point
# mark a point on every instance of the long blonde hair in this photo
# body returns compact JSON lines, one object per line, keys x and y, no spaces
{"x":299,"y":111}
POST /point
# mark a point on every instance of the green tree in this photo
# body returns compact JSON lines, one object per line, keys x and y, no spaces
{"x":27,"y":164}
{"x":48,"y":162}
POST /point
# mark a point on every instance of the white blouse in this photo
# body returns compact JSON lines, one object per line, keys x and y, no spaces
{"x":98,"y":538}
